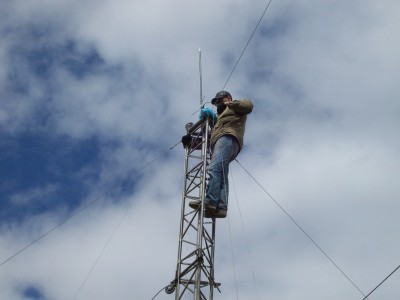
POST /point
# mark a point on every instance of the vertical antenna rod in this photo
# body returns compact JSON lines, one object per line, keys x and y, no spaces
{"x":201,"y":81}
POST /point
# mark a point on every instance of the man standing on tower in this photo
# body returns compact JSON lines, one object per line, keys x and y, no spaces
{"x":226,"y":142}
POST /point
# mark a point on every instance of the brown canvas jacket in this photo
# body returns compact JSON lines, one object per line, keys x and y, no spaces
{"x":232,"y":121}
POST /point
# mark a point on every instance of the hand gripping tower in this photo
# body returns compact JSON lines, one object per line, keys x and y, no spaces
{"x":195,"y":264}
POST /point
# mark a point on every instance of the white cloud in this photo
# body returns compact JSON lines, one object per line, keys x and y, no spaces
{"x":323,"y":140}
{"x":36,"y":194}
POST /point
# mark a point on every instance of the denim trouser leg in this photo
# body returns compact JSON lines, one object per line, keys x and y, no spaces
{"x":225,"y":150}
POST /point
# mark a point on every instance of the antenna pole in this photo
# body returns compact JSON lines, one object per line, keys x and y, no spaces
{"x":201,"y":80}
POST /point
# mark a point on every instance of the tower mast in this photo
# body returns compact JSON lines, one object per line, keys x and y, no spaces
{"x":196,"y":247}
{"x":195,"y":264}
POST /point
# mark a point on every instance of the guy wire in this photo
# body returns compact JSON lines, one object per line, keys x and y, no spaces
{"x":78,"y":211}
{"x":245,"y":235}
{"x":248,"y":42}
{"x":225,"y":177}
{"x":301,"y":228}
{"x":382,"y":282}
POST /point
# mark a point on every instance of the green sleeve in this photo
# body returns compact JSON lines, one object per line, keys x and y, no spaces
{"x":242,"y":106}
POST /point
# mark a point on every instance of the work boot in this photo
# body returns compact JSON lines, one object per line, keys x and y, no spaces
{"x":194,"y":204}
{"x":208,"y":215}
{"x":209,"y":207}
{"x":220,"y":213}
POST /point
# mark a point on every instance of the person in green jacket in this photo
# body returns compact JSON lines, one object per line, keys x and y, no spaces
{"x":226,"y":142}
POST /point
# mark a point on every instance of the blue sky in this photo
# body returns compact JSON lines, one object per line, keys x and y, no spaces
{"x":91,"y":92}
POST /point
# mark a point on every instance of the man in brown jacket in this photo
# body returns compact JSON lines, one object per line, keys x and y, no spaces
{"x":226,"y":142}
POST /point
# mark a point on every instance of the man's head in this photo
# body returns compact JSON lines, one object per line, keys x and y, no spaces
{"x":220,"y":96}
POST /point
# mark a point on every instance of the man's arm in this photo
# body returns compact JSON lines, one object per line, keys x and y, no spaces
{"x":241,"y":106}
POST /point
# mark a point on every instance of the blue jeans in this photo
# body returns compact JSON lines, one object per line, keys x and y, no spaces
{"x":225,"y":150}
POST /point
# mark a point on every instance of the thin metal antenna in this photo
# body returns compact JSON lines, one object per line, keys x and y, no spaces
{"x":201,"y":80}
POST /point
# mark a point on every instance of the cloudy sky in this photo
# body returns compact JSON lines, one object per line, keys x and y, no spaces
{"x":95,"y":94}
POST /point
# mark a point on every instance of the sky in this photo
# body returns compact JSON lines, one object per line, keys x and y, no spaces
{"x":95,"y":95}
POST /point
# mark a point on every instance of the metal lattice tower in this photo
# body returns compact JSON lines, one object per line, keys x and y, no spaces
{"x":195,"y":264}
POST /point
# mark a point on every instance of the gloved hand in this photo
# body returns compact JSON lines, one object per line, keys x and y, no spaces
{"x":186,"y":140}
{"x":207,"y":113}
